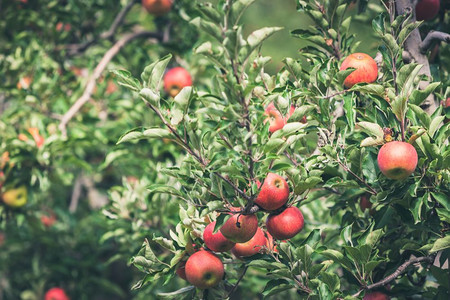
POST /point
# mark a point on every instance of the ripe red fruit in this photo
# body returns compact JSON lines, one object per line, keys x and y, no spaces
{"x":48,"y":221}
{"x":181,"y":270}
{"x":56,"y":294}
{"x":270,"y":242}
{"x":157,"y":7}
{"x":427,"y":9}
{"x":275,"y":119}
{"x":175,"y":80}
{"x":240,"y":228}
{"x":274,"y":192}
{"x":286,"y":224}
{"x":216,"y":242}
{"x":204,"y":269}
{"x":251,"y":247}
{"x":376,"y":296}
{"x":397,"y":160}
{"x":366,"y":69}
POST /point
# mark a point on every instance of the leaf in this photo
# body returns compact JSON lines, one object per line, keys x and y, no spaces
{"x":346,"y":234}
{"x":370,"y":141}
{"x":165,"y":243}
{"x":174,"y":294}
{"x":373,"y":237}
{"x":150,"y":96}
{"x":183,"y":98}
{"x":435,"y":124}
{"x":208,"y":27}
{"x":238,"y":8}
{"x":375,"y":89}
{"x":338,"y":257}
{"x":441,"y":244}
{"x":127,"y":80}
{"x":372,"y":129}
{"x":418,"y":96}
{"x":276,"y":286}
{"x":256,"y":38}
{"x":349,"y":108}
{"x":332,"y":280}
{"x":406,"y":31}
{"x":300,"y":112}
{"x":153,"y":73}
{"x":405,"y":79}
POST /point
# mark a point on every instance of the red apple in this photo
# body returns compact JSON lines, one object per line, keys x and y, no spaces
{"x":240,"y":228}
{"x":24,"y":82}
{"x":274,"y":192}
{"x":251,"y":247}
{"x":181,"y":270}
{"x":157,"y":7}
{"x":286,"y":224}
{"x":204,"y":269}
{"x":366,"y":69}
{"x":48,"y":221}
{"x":39,"y":140}
{"x":397,"y":160}
{"x":270,"y":242}
{"x":365,"y":203}
{"x":274,"y":117}
{"x":376,"y":296}
{"x":56,"y":294}
{"x":427,"y":9}
{"x":216,"y":242}
{"x":175,"y":80}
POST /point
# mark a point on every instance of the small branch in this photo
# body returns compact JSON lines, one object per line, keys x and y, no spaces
{"x":347,"y":169}
{"x":334,"y":95}
{"x":90,"y":86}
{"x":400,"y":270}
{"x":79,"y":48}
{"x":431,"y":37}
{"x":254,"y":209}
{"x":237,"y":282}
{"x":76,"y":193}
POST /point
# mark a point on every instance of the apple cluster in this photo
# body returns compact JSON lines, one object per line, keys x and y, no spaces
{"x":242,"y":235}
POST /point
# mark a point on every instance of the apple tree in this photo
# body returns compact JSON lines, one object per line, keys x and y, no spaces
{"x":375,"y":220}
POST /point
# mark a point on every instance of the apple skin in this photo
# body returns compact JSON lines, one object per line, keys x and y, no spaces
{"x":39,"y":140}
{"x":376,"y":296}
{"x":216,"y":242}
{"x":275,"y":119}
{"x":274,"y":192}
{"x":286,"y":224}
{"x":251,"y":247}
{"x":157,"y":7}
{"x":397,"y":160}
{"x":175,"y":80}
{"x":248,"y":224}
{"x":48,"y":221}
{"x":204,"y":269}
{"x":56,"y":294}
{"x":15,"y":197}
{"x":427,"y":10}
{"x":366,"y":69}
{"x":181,"y":270}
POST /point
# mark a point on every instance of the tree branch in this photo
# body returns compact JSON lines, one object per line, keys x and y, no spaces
{"x":79,"y":48}
{"x":400,"y":270}
{"x":433,"y":36}
{"x":237,"y":282}
{"x":90,"y":86}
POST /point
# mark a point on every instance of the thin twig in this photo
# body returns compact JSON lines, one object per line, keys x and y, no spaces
{"x":237,"y":282}
{"x":79,"y":48}
{"x":347,"y":169}
{"x":90,"y":86}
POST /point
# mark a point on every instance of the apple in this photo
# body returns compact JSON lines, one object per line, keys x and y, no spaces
{"x":364,"y":203}
{"x":366,"y":69}
{"x":56,"y":294}
{"x":175,"y":80}
{"x":427,"y":9}
{"x":270,"y":243}
{"x":36,"y":136}
{"x":181,"y":270}
{"x":240,"y":228}
{"x":204,"y":269}
{"x":274,"y":192}
{"x":275,"y":119}
{"x":157,"y":7}
{"x":24,"y":82}
{"x":216,"y":241}
{"x":286,"y":224}
{"x":376,"y":296}
{"x":251,"y":247}
{"x":61,"y":26}
{"x":15,"y":197}
{"x":397,"y":160}
{"x":48,"y":221}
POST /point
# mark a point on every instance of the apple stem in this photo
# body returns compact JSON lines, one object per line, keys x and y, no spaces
{"x":402,"y":127}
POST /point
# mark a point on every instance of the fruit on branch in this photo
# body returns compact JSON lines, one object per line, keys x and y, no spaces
{"x":181,"y":270}
{"x":274,"y":192}
{"x":60,"y":26}
{"x":240,"y":228}
{"x":157,"y":7}
{"x":270,"y":243}
{"x":365,"y":203}
{"x":204,"y":269}
{"x":427,"y":9}
{"x":286,"y":224}
{"x":216,"y":241}
{"x":56,"y":294}
{"x":397,"y":160}
{"x":48,"y":220}
{"x":15,"y":197}
{"x":376,"y":296}
{"x":175,"y":80}
{"x":24,"y":82}
{"x":251,"y":247}
{"x":366,"y":69}
{"x":36,"y":136}
{"x":275,"y":119}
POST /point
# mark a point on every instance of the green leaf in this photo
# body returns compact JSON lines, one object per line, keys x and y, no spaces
{"x":256,"y":38}
{"x":349,"y":108}
{"x":406,"y":31}
{"x":339,"y":258}
{"x":276,"y":286}
{"x":153,"y":73}
{"x":189,"y":290}
{"x":332,"y":280}
{"x":375,"y":89}
{"x":435,"y":124}
{"x":346,"y":234}
{"x":127,"y":80}
{"x":208,"y":27}
{"x":150,"y":96}
{"x":372,"y":129}
{"x":238,"y":8}
{"x":300,"y":112}
{"x":441,"y":244}
{"x":165,"y":243}
{"x":421,"y":115}
{"x":406,"y":77}
{"x":418,"y":96}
